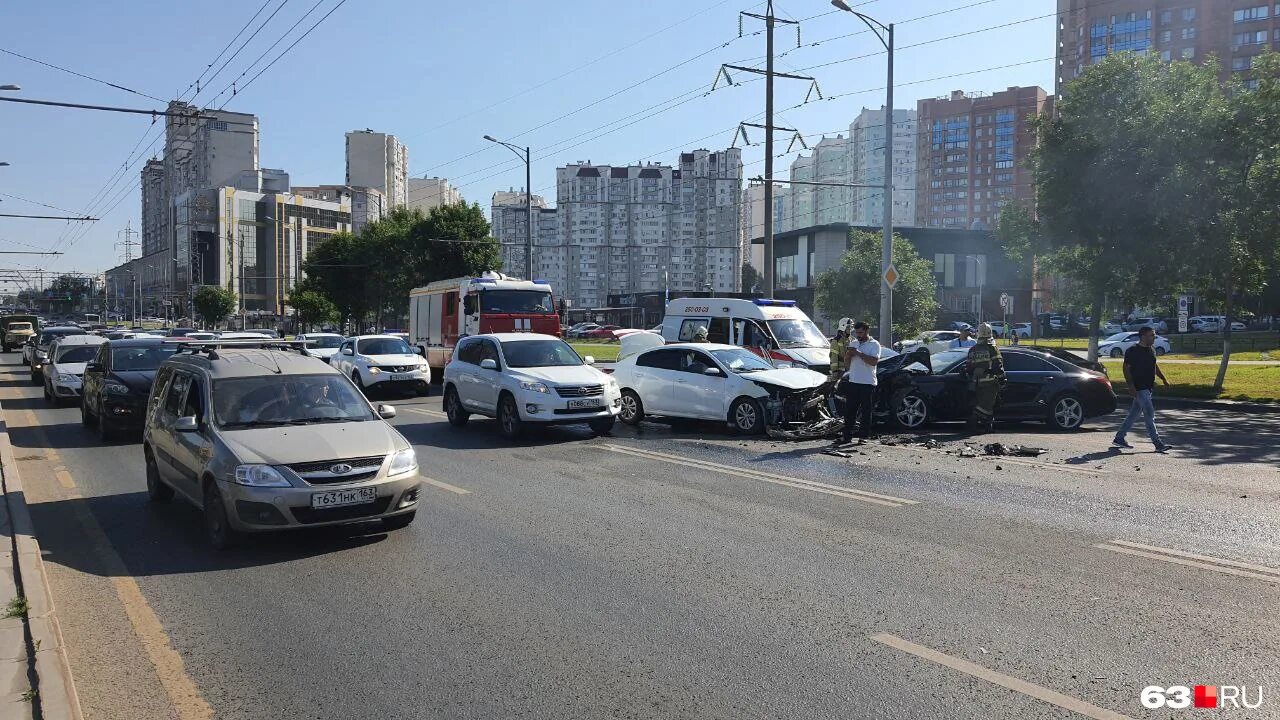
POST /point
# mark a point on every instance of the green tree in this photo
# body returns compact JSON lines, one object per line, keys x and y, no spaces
{"x":751,"y":280}
{"x":213,"y":303}
{"x":311,"y":306}
{"x":341,"y":267}
{"x":853,"y":288}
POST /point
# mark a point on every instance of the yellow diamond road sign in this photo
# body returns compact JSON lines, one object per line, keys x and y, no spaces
{"x":891,"y":276}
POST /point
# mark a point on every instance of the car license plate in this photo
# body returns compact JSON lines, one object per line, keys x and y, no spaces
{"x":338,"y":498}
{"x":590,"y":403}
{"x":401,"y":376}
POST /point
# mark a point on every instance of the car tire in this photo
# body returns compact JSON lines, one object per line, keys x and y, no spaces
{"x":453,"y":408}
{"x":398,"y":522}
{"x":157,"y":491}
{"x":1160,"y":351}
{"x":509,"y":421}
{"x":747,"y":417}
{"x":355,"y":378}
{"x":36,"y":378}
{"x":48,"y":396}
{"x":1116,"y":353}
{"x":910,"y":411}
{"x":632,"y":411}
{"x":217,"y":527}
{"x":1066,"y":412}
{"x":602,"y":426}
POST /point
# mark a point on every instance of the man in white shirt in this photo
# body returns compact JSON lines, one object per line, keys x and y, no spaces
{"x":964,"y":342}
{"x":860,"y":382}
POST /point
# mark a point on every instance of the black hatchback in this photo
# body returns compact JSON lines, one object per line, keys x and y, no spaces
{"x":1038,"y":386}
{"x":117,"y":382}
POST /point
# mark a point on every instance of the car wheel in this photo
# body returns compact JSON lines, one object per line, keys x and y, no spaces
{"x":36,"y":378}
{"x":1067,"y":412}
{"x":48,"y":396}
{"x":453,"y":408}
{"x":398,"y":522}
{"x":157,"y":491}
{"x":216,"y":526}
{"x":632,"y":409}
{"x":1117,"y":353}
{"x":509,"y":418}
{"x":1160,"y":351}
{"x":602,"y":426}
{"x":910,"y":411}
{"x":355,"y":378}
{"x":746,"y":416}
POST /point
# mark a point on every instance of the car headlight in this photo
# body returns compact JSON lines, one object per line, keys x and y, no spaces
{"x":112,"y":388}
{"x":374,"y":370}
{"x":260,"y":476}
{"x":533,"y":386}
{"x":403,"y":462}
{"x":67,"y":379}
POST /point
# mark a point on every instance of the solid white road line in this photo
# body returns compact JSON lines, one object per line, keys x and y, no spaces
{"x":1204,"y":562}
{"x":445,"y":486}
{"x":1038,"y":692}
{"x":798,"y":483}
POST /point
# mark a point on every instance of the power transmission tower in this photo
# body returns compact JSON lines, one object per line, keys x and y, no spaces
{"x":769,"y":74}
{"x":126,"y":246}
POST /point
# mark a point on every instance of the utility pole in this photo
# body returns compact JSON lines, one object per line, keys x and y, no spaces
{"x":126,"y":246}
{"x":770,"y":20}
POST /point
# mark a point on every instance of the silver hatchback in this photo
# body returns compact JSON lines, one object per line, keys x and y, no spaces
{"x":261,"y":437}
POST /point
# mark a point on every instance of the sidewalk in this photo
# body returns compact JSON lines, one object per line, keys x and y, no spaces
{"x":35,"y":678}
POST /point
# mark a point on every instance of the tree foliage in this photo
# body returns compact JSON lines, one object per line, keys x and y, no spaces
{"x":853,"y":288}
{"x":311,"y":306}
{"x":213,"y":303}
{"x":751,"y":280}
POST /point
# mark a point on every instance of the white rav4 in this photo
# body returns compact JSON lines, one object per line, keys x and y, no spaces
{"x":382,"y":361}
{"x":527,"y":378}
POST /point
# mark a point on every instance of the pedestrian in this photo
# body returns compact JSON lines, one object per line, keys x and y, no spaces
{"x":962,"y":342}
{"x":861,"y":357}
{"x":1015,"y":337}
{"x":986,"y":368}
{"x":1140,"y":373}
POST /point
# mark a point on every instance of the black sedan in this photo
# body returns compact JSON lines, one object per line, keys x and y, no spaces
{"x":916,"y":390}
{"x":117,"y":382}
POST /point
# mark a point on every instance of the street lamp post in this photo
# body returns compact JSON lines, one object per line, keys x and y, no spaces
{"x":884,"y":33}
{"x":528,"y":202}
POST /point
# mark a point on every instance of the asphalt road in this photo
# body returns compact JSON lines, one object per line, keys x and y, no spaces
{"x":680,"y":572}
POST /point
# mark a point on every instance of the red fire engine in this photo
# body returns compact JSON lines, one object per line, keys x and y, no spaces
{"x":446,"y":310}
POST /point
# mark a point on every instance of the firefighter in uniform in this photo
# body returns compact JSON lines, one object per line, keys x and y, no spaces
{"x":835,"y":376}
{"x":986,"y":369}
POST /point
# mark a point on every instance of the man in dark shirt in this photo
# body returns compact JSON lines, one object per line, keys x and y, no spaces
{"x":1140,"y":373}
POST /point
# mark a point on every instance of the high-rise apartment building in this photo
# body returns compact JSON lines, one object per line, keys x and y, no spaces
{"x":427,"y":193}
{"x":508,"y":219}
{"x":866,"y":167}
{"x":753,"y":222}
{"x":829,"y":162}
{"x":154,"y":215}
{"x":367,"y":204}
{"x":972,"y":153}
{"x":1232,"y":30}
{"x":379,"y":161}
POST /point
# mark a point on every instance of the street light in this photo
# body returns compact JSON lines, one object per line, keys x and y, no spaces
{"x":528,"y":202}
{"x":883,"y":33}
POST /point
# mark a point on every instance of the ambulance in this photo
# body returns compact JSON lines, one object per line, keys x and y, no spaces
{"x":774,"y":329}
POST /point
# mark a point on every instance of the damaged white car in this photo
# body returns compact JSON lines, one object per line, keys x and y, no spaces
{"x":714,"y":382}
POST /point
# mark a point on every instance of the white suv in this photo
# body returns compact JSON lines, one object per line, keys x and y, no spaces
{"x":382,"y":361}
{"x":522,"y":378}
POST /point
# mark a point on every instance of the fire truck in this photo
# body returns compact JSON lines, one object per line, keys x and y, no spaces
{"x":446,"y":310}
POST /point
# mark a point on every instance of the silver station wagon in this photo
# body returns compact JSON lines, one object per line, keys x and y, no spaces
{"x":261,"y":436}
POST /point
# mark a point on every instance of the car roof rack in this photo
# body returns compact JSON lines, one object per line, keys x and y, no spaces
{"x":210,"y":347}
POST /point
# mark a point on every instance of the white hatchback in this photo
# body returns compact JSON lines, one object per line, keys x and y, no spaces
{"x":527,"y":378}
{"x":64,"y":371}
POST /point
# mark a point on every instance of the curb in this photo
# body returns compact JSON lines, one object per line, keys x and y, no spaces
{"x":56,"y":697}
{"x":1194,"y":404}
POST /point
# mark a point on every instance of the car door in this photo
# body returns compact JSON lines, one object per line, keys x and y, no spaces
{"x":341,"y":359}
{"x":1027,"y":379}
{"x":694,"y":393}
{"x":191,"y":450}
{"x":463,"y":369}
{"x":654,"y":377}
{"x":946,"y":390}
{"x":94,"y":372}
{"x":165,"y":414}
{"x":488,"y":383}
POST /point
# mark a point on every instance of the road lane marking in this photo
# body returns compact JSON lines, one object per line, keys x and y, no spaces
{"x":1048,"y":466}
{"x":1043,"y":694}
{"x":1204,"y":562}
{"x":432,"y":413}
{"x":446,"y":486}
{"x":798,"y":483}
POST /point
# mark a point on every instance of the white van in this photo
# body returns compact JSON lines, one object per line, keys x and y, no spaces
{"x":775,"y":329}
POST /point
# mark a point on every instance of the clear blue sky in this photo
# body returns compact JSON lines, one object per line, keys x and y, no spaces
{"x":428,"y":72}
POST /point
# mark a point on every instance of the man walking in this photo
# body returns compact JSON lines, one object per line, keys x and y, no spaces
{"x":964,"y":342}
{"x":1140,"y":373}
{"x":860,"y":382}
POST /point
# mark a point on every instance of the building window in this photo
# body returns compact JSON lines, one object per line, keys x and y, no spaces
{"x":1166,"y":36}
{"x":1242,"y":63}
{"x":1189,"y":33}
{"x":1166,"y":17}
{"x":1188,"y":14}
{"x":1251,"y":84}
{"x":1253,"y":13}
{"x":1257,"y":37}
{"x":1188,"y":53}
{"x":1164,"y":55}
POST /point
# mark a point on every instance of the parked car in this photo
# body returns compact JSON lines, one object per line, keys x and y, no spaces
{"x":179,"y":331}
{"x":36,"y":351}
{"x":934,"y":340}
{"x":603,"y":332}
{"x":1116,"y":345}
{"x":321,"y":345}
{"x":527,"y":379}
{"x":245,"y":335}
{"x":1205,"y":323}
{"x":1038,"y":386}
{"x":999,"y":328}
{"x":1023,"y":330}
{"x":1111,"y":327}
{"x":959,"y":325}
{"x":65,"y":367}
{"x":723,"y":383}
{"x":383,"y":362}
{"x":264,"y":439}
{"x":577,"y":330}
{"x":1160,"y":326}
{"x":117,"y":382}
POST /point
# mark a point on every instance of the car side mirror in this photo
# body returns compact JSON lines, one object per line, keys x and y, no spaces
{"x":386,"y":412}
{"x":590,"y":359}
{"x":186,"y":424}
{"x":714,"y":371}
{"x":419,"y":351}
{"x":489,"y":364}
{"x":93,"y":367}
{"x":347,"y":351}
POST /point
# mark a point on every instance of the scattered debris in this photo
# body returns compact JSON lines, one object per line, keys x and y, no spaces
{"x":837,"y":453}
{"x":999,"y":467}
{"x":829,"y":427}
{"x":995,"y":449}
{"x":932,"y":444}
{"x":1244,"y":496}
{"x":967,"y":452}
{"x":982,"y":650}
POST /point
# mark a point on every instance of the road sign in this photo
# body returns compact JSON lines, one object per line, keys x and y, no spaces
{"x":1182,"y":320}
{"x":1004,"y":301}
{"x":1183,"y":302}
{"x":891,"y":276}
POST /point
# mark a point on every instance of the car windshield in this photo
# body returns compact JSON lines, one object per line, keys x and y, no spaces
{"x":77,"y":353}
{"x":741,"y":361}
{"x":1117,"y":337}
{"x":384,"y":346}
{"x":539,"y":353}
{"x":49,"y":336}
{"x":797,"y":333}
{"x":537,"y":302}
{"x":19,"y":326}
{"x":136,"y":359}
{"x":942,"y":360}
{"x":324,"y":341}
{"x":288,"y":400}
